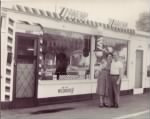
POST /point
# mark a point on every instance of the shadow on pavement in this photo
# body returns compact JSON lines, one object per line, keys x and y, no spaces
{"x":52,"y":110}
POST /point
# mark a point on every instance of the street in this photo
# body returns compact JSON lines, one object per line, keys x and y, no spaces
{"x":131,"y":107}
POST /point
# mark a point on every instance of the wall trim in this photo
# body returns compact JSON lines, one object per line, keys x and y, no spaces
{"x":60,"y":100}
{"x":146,"y":90}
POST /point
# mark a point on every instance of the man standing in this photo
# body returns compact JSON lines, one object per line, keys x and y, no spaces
{"x":116,"y":74}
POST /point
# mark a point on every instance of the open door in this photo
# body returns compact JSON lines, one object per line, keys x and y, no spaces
{"x":26,"y":60}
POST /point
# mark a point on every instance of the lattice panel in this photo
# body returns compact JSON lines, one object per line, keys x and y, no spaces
{"x":10,"y":48}
{"x":25,"y":80}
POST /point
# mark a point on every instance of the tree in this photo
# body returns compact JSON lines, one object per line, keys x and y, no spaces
{"x":143,"y":23}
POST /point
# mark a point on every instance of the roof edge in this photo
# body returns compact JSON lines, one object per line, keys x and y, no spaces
{"x":54,"y":15}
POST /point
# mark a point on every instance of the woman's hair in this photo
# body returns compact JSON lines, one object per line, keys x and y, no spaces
{"x":109,"y":54}
{"x":104,"y":56}
{"x":116,"y":52}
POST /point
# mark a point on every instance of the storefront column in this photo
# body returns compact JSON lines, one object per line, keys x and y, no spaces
{"x":40,"y":57}
{"x":92,"y":58}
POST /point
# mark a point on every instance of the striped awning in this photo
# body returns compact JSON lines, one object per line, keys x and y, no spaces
{"x":54,"y":15}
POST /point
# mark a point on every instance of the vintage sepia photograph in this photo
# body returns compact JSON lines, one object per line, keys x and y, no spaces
{"x":75,"y":59}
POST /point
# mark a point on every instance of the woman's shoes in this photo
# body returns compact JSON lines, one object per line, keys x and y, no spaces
{"x":115,"y":106}
{"x":101,"y":105}
{"x":106,"y":105}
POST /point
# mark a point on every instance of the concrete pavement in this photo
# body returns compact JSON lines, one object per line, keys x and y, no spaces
{"x":129,"y":105}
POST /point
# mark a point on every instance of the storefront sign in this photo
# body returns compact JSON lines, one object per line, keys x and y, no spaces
{"x":67,"y":12}
{"x":117,"y":23}
{"x":66,"y":90}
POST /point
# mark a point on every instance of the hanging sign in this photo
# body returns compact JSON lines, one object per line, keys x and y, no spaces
{"x":99,"y":44}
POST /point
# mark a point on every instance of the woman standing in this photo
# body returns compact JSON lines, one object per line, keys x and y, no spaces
{"x":107,"y":100}
{"x":103,"y":81}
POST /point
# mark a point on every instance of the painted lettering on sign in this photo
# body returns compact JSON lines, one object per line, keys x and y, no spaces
{"x":66,"y":90}
{"x":67,"y":12}
{"x":117,"y":23}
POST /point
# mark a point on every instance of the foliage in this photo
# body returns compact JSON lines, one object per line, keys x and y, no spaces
{"x":143,"y":23}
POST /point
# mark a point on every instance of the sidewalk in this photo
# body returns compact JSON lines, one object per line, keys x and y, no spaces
{"x":129,"y":104}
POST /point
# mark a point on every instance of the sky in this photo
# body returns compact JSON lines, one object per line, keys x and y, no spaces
{"x":98,"y":10}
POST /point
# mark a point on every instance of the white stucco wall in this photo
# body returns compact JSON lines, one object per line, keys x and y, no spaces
{"x":50,"y":88}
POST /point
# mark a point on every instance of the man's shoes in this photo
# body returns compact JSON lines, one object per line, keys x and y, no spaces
{"x":116,"y":105}
{"x":106,"y":105}
{"x":101,"y":105}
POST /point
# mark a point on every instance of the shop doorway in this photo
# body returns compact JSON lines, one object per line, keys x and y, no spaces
{"x":138,"y":72}
{"x":26,"y":61}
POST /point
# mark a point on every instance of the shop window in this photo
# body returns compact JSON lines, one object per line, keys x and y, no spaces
{"x":66,"y":57}
{"x":148,"y":71}
{"x":107,"y":47}
{"x":25,"y":46}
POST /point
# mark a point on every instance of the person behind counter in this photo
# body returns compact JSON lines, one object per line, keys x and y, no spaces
{"x":61,"y":64}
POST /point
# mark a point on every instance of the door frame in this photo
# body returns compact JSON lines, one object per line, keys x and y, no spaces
{"x":22,"y":101}
{"x":139,"y":90}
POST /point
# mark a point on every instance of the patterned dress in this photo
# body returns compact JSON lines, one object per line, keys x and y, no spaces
{"x":103,"y":83}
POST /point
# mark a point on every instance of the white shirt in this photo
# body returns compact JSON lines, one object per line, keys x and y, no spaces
{"x":115,"y":67}
{"x":85,"y":61}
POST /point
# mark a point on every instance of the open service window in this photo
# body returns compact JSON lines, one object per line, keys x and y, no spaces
{"x":66,"y":56}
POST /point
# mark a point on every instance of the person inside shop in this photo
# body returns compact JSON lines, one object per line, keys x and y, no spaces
{"x":103,"y":81}
{"x":116,"y":74}
{"x":61,"y":64}
{"x":85,"y":61}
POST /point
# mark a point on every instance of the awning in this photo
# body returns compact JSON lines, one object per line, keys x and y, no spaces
{"x":56,"y":16}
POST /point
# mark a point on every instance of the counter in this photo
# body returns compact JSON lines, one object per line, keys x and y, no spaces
{"x":56,"y":88}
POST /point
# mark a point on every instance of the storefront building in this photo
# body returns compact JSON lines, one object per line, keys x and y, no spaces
{"x":47,"y":58}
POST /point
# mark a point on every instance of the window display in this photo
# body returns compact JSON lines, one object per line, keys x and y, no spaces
{"x":148,"y":63}
{"x":148,"y":71}
{"x":108,"y":47}
{"x":66,"y":57}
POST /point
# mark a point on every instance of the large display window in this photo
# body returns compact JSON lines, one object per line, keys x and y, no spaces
{"x":66,"y":56}
{"x":148,"y":64}
{"x":109,"y":45}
